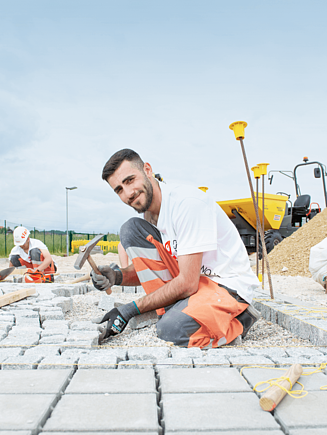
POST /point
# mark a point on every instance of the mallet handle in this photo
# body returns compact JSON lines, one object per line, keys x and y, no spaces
{"x":274,"y":394}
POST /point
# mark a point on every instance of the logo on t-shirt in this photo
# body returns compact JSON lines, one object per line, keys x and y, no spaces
{"x":168,"y":248}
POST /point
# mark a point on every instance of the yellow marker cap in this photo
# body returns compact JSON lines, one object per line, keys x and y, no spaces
{"x":263,"y":168}
{"x":238,"y":128}
{"x":256,"y":171}
{"x":204,"y":189}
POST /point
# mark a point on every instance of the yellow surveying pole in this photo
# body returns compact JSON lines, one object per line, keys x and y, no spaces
{"x":263,"y":172}
{"x":256,"y":173}
{"x":238,"y":128}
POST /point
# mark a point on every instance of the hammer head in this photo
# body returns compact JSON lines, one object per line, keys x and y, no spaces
{"x":85,"y":252}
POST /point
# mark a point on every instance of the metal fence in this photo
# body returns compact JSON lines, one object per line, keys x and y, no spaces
{"x":55,"y":240}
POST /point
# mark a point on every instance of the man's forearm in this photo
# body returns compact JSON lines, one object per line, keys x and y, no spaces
{"x":130,"y":277}
{"x":168,"y":294}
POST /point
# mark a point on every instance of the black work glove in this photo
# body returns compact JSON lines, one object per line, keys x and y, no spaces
{"x":111,"y":275}
{"x":117,"y":320}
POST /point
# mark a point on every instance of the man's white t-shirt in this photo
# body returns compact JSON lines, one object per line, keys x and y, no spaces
{"x":190,"y":221}
{"x":34,"y":243}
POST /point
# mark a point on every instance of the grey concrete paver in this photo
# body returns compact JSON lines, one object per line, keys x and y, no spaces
{"x":202,"y":380}
{"x":229,"y":432}
{"x":97,"y":433}
{"x":98,"y":381}
{"x":105,"y":412}
{"x":308,"y":412}
{"x":90,"y":361}
{"x":34,"y":409}
{"x":34,"y":381}
{"x":250,"y":360}
{"x":311,"y":431}
{"x":15,"y":432}
{"x":175,"y":363}
{"x":135,"y":364}
{"x":211,"y":362}
{"x":148,"y":353}
{"x":189,"y":412}
{"x":302,"y":351}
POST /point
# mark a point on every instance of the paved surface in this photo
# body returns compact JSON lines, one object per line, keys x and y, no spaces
{"x":54,"y":379}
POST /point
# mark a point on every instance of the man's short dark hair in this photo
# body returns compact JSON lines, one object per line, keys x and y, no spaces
{"x":118,"y":158}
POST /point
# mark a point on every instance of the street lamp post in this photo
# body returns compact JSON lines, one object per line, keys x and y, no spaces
{"x":67,"y":238}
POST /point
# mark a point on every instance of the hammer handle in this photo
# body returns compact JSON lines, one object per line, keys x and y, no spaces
{"x":274,"y":394}
{"x":97,"y":271}
{"x":93,"y":265}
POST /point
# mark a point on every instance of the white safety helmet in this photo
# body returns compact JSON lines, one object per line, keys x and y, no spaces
{"x":21,"y":234}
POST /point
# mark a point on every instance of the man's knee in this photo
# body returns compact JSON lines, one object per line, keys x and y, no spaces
{"x":135,"y":231}
{"x":35,"y":254}
{"x":14,"y":259}
{"x":177,"y":327}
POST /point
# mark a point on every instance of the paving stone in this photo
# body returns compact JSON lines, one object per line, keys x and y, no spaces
{"x":148,"y":353}
{"x":269,"y":352}
{"x":58,"y":362}
{"x":66,"y":304}
{"x":48,"y":332}
{"x":100,"y":412}
{"x":78,"y":335}
{"x":98,"y":381}
{"x":229,"y":432}
{"x":22,"y":362}
{"x":34,"y":382}
{"x":15,"y":432}
{"x":227,"y":352}
{"x":192,"y":352}
{"x":202,"y":380}
{"x":303,"y":351}
{"x":135,"y":364}
{"x":317,"y":360}
{"x":87,"y":344}
{"x":22,"y":341}
{"x":255,"y":375}
{"x":106,"y":302}
{"x":291,"y":360}
{"x":42,"y":350}
{"x":26,"y":314}
{"x":175,"y":363}
{"x":51,"y":315}
{"x":34,"y":409}
{"x":250,"y":360}
{"x":10,"y":352}
{"x":119,"y":353}
{"x":53,"y":339}
{"x":97,"y":433}
{"x":143,"y":320}
{"x":84,"y":326}
{"x":185,"y":412}
{"x":3,"y":334}
{"x":211,"y":362}
{"x":317,"y":431}
{"x":308,"y":412}
{"x":97,"y":362}
{"x":52,"y":324}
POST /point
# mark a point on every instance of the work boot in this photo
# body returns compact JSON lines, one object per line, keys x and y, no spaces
{"x":248,"y":318}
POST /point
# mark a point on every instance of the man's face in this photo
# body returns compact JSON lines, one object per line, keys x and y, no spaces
{"x":26,"y":245}
{"x":132,"y":186}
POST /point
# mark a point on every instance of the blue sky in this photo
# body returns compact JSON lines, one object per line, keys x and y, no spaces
{"x":80,"y":80}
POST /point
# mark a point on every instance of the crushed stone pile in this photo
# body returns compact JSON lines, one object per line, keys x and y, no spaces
{"x":293,"y":252}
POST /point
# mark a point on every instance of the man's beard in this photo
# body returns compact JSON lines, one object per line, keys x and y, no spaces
{"x":148,"y":191}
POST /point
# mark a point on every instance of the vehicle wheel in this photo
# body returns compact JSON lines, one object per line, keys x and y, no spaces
{"x":272,"y":238}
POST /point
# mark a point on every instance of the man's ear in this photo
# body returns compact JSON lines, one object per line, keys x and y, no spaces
{"x":147,"y":169}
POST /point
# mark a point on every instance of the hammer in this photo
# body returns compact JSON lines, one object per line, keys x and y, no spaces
{"x":85,"y":255}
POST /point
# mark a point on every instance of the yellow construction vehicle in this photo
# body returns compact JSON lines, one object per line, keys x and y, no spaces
{"x":282,"y":218}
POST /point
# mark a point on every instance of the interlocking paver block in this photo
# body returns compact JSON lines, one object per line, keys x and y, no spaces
{"x":143,"y":320}
{"x":292,"y":360}
{"x":34,"y":381}
{"x":148,"y":353}
{"x":135,"y":364}
{"x":192,"y":352}
{"x":10,"y":351}
{"x":116,"y":433}
{"x":90,"y":361}
{"x":53,"y":339}
{"x":21,"y":362}
{"x":308,"y":412}
{"x":42,"y":350}
{"x":201,"y":380}
{"x":16,"y":432}
{"x":57,"y":362}
{"x":302,"y":351}
{"x":84,"y":326}
{"x":317,"y":431}
{"x":112,"y":381}
{"x":33,"y":410}
{"x":101,"y":412}
{"x":188,"y":412}
{"x":255,"y":375}
{"x":232,"y":432}
{"x":250,"y":360}
{"x":269,"y":352}
{"x":175,"y":363}
{"x":227,"y":351}
{"x":211,"y":362}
